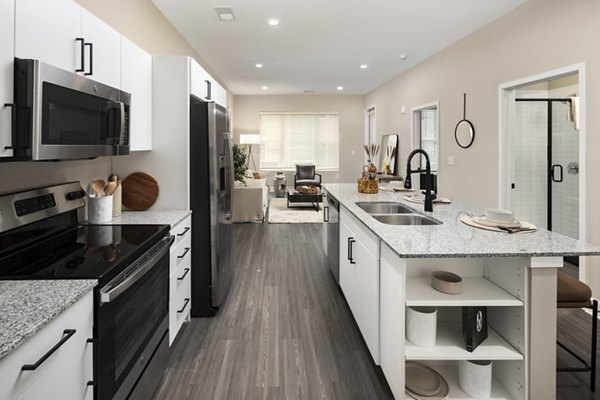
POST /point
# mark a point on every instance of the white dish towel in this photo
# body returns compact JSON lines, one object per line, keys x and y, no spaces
{"x":574,"y":111}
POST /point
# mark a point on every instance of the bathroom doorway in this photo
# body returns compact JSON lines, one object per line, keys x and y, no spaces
{"x":542,"y":158}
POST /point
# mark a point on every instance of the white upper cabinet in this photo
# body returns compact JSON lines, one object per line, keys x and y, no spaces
{"x":47,"y":31}
{"x":63,"y":34}
{"x":102,"y":50}
{"x":204,"y":86}
{"x":136,"y":78}
{"x":7,"y":53}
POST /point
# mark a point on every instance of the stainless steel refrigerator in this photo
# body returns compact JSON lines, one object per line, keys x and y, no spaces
{"x":211,"y":201}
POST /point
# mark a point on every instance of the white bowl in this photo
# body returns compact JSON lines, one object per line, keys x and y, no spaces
{"x":498,"y":215}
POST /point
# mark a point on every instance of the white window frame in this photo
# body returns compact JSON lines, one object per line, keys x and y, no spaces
{"x":312,"y":113}
{"x":416,"y":136}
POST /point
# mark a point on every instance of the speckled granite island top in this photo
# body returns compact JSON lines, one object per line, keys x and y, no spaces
{"x":151,"y":217}
{"x":453,"y":238}
{"x":28,"y":306}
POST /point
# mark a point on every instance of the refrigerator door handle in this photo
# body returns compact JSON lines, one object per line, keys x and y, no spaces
{"x":229,"y":172}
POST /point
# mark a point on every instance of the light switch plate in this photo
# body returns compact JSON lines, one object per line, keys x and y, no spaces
{"x":353,"y":152}
{"x":451,"y":161}
{"x":403,"y":110}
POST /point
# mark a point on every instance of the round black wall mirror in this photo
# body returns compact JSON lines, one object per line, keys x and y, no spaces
{"x":464,"y":133}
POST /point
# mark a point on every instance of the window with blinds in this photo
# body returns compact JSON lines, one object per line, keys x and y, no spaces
{"x":288,"y":139}
{"x":426,"y":132}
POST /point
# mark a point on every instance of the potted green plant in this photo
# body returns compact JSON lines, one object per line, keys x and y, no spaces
{"x":240,"y":165}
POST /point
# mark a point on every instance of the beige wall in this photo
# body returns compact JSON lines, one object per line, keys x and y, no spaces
{"x":350,"y":108}
{"x":540,"y":36}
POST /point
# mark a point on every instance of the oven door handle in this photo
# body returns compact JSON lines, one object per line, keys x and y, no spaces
{"x":131,"y":275}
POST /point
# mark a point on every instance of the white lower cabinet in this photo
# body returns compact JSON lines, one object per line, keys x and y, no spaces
{"x":359,"y":277}
{"x":66,"y":372}
{"x":180,"y":281}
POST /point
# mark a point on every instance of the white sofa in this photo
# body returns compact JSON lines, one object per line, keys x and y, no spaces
{"x":250,"y":201}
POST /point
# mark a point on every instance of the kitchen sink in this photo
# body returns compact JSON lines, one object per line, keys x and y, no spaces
{"x":384,"y":208}
{"x":405,"y":219}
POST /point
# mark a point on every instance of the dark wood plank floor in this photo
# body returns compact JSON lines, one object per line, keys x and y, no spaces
{"x":285,"y":331}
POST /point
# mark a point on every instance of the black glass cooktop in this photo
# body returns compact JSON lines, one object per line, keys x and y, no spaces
{"x":84,"y":252}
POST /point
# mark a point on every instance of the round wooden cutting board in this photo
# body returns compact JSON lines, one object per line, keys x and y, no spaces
{"x":140,"y":191}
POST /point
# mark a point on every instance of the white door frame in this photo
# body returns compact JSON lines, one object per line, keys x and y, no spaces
{"x":366,"y":139}
{"x":506,"y":113}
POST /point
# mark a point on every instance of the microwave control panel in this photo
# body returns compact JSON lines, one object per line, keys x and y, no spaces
{"x":34,"y":204}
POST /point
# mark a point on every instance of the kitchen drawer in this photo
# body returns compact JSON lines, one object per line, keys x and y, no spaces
{"x":179,"y":274}
{"x":179,"y":306}
{"x":65,"y":373}
{"x":180,"y":252}
{"x":182,"y":230}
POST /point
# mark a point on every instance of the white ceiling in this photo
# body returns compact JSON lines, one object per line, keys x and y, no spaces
{"x":320,"y":44}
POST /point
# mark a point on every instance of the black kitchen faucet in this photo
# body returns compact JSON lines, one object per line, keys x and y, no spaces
{"x":407,"y":181}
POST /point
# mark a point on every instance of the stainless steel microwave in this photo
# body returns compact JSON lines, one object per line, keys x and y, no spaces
{"x":59,"y":115}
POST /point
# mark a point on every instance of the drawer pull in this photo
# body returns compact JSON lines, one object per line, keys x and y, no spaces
{"x":66,"y":336}
{"x":187,"y":228}
{"x":184,"y":306}
{"x":184,"y":253}
{"x":184,"y":274}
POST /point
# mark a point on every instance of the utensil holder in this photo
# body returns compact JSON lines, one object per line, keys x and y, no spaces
{"x":421,"y":326}
{"x":100,"y":209}
{"x":475,"y":378}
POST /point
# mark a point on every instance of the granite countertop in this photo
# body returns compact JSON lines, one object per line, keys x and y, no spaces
{"x":170,"y":217}
{"x":453,"y":238}
{"x":28,"y":306}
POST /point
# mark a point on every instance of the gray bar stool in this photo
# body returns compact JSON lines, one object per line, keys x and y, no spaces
{"x":572,"y":293}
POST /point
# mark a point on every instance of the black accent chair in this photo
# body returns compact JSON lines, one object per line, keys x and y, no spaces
{"x":306,"y":176}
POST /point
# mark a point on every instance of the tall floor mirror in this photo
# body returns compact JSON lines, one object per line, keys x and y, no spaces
{"x":388,"y":158}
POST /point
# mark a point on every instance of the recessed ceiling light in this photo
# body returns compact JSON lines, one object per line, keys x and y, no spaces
{"x":264,"y":87}
{"x":340,"y":88}
{"x":225,"y":14}
{"x":259,"y":65}
{"x":274,"y":22}
{"x":403,"y":57}
{"x":364,"y":66}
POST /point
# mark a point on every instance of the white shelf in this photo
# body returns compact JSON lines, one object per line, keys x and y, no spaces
{"x":476,"y":292}
{"x":450,"y":345}
{"x":456,"y":393}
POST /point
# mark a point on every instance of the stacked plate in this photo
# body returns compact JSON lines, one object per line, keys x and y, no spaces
{"x":497,"y":218}
{"x":424,"y":383}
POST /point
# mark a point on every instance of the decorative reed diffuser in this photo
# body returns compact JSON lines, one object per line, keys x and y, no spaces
{"x":368,"y":182}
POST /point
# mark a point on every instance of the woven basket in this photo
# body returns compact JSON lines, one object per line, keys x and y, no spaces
{"x":369,"y":186}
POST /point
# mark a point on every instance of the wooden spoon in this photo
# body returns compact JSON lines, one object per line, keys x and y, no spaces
{"x":113,"y":178}
{"x":110,"y":188}
{"x":98,"y":187}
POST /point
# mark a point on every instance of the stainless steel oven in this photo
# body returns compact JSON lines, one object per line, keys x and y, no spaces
{"x":59,"y":115}
{"x":131,"y":332}
{"x":333,"y":236}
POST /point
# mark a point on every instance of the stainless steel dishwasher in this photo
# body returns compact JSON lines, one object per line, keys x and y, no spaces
{"x":332,"y":217}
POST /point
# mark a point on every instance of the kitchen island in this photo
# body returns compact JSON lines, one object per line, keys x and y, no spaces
{"x":386,"y":268}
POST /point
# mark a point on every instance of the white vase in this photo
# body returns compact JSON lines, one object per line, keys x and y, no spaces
{"x":421,"y":326}
{"x":100,"y":209}
{"x":475,"y":378}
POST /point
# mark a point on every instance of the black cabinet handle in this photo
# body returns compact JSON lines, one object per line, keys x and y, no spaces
{"x":91,"y":46}
{"x":326,"y":214}
{"x":560,"y":169}
{"x":91,"y":383}
{"x":187,"y":228}
{"x":82,"y":50}
{"x":184,"y":306}
{"x":348,"y":256}
{"x":208,"y":90}
{"x":184,"y":252}
{"x":67,"y":335}
{"x":352,"y":241}
{"x":184,"y":274}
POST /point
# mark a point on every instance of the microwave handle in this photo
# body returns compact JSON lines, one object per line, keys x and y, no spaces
{"x":121,"y":119}
{"x":136,"y":271}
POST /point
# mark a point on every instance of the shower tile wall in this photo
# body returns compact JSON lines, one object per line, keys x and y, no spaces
{"x":530,"y":196}
{"x":565,"y":198}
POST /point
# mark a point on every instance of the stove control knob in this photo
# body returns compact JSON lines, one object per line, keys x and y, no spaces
{"x":78,"y":194}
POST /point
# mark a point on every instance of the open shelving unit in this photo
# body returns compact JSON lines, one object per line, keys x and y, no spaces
{"x":450,"y":345}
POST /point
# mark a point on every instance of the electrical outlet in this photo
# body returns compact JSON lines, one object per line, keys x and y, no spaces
{"x":337,"y":176}
{"x":353,"y":153}
{"x":402,"y":110}
{"x":451,"y":161}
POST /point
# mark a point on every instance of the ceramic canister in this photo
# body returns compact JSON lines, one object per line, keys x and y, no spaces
{"x":100,"y":209}
{"x":475,"y":378}
{"x":421,"y":325}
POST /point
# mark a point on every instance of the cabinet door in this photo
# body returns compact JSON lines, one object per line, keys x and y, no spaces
{"x":103,"y":52}
{"x":7,"y":53}
{"x":365,"y":306}
{"x":46,"y":31}
{"x":219,"y":94}
{"x":136,"y":79}
{"x":200,"y":85}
